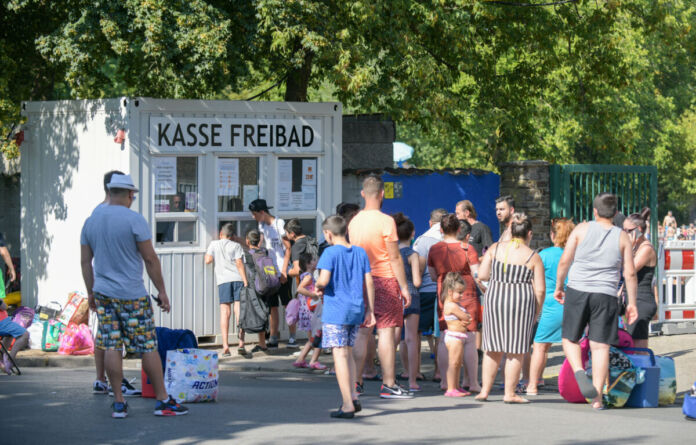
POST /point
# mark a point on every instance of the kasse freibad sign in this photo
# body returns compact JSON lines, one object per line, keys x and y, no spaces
{"x":238,"y":134}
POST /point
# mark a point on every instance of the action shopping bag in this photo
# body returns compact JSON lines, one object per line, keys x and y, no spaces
{"x":191,"y":375}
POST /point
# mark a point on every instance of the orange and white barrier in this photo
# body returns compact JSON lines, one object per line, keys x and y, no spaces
{"x":677,"y":285}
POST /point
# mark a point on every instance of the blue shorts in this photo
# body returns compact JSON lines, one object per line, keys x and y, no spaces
{"x":9,"y":328}
{"x":338,"y":335}
{"x":229,"y":292}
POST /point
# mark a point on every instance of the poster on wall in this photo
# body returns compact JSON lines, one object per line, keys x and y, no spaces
{"x":228,"y":177}
{"x":284,"y":184}
{"x":297,"y":184}
{"x":165,"y":175}
{"x":309,"y":172}
{"x":249,"y":193}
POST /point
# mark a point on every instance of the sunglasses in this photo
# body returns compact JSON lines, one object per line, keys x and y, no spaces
{"x":630,"y":230}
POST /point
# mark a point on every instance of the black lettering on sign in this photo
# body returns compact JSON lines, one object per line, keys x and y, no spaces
{"x":190,"y":130}
{"x":178,"y":136}
{"x":215,"y":134}
{"x":294,"y":137}
{"x":204,"y":135}
{"x":260,"y":135}
{"x":249,"y":135}
{"x":280,"y":133}
{"x":162,"y":134}
{"x":234,"y":133}
{"x":307,"y":135}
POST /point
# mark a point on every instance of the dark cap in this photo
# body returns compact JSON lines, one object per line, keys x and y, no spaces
{"x":259,"y":205}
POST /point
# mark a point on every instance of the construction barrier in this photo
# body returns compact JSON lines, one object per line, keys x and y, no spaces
{"x":677,"y":292}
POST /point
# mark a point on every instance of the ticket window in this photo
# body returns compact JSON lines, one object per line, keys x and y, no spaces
{"x":237,"y":184}
{"x":176,"y":200}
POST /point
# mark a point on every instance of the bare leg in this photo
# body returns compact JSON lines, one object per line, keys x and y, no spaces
{"x":274,"y":322}
{"x":360,"y":352}
{"x":600,"y":369}
{"x":489,"y":369}
{"x":454,"y":351}
{"x":305,"y":350}
{"x":413,"y":355}
{"x":471,"y":363}
{"x":113,"y":362}
{"x":153,"y":368}
{"x":574,"y":354}
{"x":403,"y":355}
{"x":442,"y":359}
{"x":240,"y":334}
{"x":640,"y":344}
{"x":525,"y":366}
{"x":513,"y":365}
{"x":344,"y":376}
{"x":387,"y":355}
{"x":315,"y":357}
{"x":369,"y":368}
{"x":99,"y":364}
{"x":537,"y":365}
{"x":262,"y":339}
{"x":225,"y":325}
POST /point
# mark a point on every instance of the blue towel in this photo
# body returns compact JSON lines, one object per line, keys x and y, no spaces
{"x":171,"y":339}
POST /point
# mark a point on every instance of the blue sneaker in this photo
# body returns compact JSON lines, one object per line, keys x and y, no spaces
{"x":120,"y":410}
{"x":170,"y":408}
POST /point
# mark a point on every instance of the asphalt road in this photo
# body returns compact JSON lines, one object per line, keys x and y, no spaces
{"x":55,"y":406}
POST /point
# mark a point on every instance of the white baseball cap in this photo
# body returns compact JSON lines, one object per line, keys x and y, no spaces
{"x":122,"y":182}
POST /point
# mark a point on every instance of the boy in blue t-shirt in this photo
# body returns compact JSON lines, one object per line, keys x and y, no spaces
{"x":344,"y":270}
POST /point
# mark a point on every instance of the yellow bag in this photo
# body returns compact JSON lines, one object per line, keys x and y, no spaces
{"x":13,"y":298}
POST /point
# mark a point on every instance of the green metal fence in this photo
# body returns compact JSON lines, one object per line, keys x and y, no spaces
{"x":573,"y":187}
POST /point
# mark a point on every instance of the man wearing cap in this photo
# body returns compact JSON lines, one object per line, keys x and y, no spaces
{"x":275,"y":240}
{"x":119,"y":240}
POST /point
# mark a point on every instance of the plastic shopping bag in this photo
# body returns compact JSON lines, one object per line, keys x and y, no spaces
{"x":191,"y":375}
{"x":76,"y":340}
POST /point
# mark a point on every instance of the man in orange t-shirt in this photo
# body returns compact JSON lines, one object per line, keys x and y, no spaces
{"x":375,"y":232}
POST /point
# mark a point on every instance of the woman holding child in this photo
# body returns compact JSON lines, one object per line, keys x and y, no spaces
{"x":511,"y":304}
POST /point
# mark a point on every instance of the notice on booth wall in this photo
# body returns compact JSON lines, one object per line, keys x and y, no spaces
{"x":309,"y":197}
{"x":285,"y":184}
{"x":249,"y":193}
{"x":162,"y":205}
{"x":165,"y":175}
{"x":309,"y":172}
{"x":228,"y":177}
{"x":191,"y":201}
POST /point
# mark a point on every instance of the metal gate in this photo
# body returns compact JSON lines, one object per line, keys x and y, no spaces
{"x":573,"y":187}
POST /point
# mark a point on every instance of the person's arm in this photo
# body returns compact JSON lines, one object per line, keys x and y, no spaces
{"x":322,"y":281}
{"x":302,"y":288}
{"x":630,"y":279}
{"x":565,"y":262}
{"x":415,"y":262}
{"x":86,"y":256}
{"x":208,"y":259}
{"x":397,"y":266}
{"x":154,"y":271}
{"x":484,"y":269}
{"x":370,"y":320}
{"x":295,"y":269}
{"x":286,"y":259}
{"x":461,"y":314}
{"x":644,"y":256}
{"x":242,"y":271}
{"x":538,"y":283}
{"x":8,"y":260}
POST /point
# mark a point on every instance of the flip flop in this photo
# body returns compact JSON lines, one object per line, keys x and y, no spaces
{"x":585,"y":384}
{"x":227,"y":353}
{"x":339,"y":414}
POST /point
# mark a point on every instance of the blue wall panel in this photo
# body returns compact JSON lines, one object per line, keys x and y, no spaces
{"x":423,"y":193}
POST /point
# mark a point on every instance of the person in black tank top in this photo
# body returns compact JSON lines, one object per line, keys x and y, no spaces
{"x":645,"y":260}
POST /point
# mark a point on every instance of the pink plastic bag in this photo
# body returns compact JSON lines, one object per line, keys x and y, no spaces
{"x":292,"y":311}
{"x":76,"y":340}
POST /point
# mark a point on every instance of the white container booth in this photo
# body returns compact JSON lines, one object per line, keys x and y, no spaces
{"x":197,"y":163}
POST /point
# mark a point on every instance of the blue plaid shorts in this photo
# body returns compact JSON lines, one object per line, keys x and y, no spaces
{"x":338,"y":335}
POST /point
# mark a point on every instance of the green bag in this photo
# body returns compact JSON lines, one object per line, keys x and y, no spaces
{"x":50,"y":340}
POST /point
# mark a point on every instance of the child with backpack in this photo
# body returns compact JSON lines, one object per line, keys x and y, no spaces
{"x":230,"y":277}
{"x":264,"y":281}
{"x":344,"y":271}
{"x":310,"y":310}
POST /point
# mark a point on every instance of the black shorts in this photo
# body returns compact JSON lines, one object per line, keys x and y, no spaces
{"x":599,"y":311}
{"x":283,"y":296}
{"x":640,"y":330}
{"x":428,"y":300}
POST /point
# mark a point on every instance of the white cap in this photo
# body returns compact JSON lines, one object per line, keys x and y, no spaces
{"x":121,"y":182}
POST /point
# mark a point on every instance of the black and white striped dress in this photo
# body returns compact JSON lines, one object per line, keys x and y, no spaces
{"x":509,"y":309}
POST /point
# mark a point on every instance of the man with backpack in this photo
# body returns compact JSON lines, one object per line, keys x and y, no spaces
{"x":276,"y":242}
{"x":301,"y":243}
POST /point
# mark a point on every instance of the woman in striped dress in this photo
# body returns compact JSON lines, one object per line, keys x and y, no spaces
{"x":511,"y":304}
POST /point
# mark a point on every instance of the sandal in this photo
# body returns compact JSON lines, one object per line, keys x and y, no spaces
{"x":339,"y":414}
{"x":300,"y":365}
{"x":226,"y":353}
{"x":317,"y":366}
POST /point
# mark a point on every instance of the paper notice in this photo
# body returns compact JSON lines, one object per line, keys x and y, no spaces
{"x":309,"y":197}
{"x":309,"y":172}
{"x":249,"y":193}
{"x":296,"y":199}
{"x":165,"y":175}
{"x":191,"y":201}
{"x":228,"y":177}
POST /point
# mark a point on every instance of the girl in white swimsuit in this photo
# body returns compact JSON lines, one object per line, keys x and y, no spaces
{"x":455,"y":336}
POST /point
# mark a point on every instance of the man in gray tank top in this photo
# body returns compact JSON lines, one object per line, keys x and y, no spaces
{"x":596,"y":250}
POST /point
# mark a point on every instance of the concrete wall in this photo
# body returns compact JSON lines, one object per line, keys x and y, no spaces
{"x":528,"y":183}
{"x":10,"y":211}
{"x":368,"y":141}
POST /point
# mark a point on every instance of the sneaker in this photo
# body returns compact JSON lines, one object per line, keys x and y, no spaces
{"x":292,"y":344}
{"x":99,"y":387}
{"x":258,"y":348}
{"x":394,"y":392}
{"x":119,"y":410}
{"x":127,"y":389}
{"x":273,"y":344}
{"x":170,"y":408}
{"x":359,"y":389}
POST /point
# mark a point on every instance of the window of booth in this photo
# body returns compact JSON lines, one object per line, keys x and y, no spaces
{"x":237,"y":184}
{"x":297,"y":184}
{"x":176,"y":200}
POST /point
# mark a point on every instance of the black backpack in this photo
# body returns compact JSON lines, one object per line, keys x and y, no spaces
{"x":253,"y":311}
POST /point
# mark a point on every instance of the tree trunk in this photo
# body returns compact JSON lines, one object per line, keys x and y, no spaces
{"x":298,"y":80}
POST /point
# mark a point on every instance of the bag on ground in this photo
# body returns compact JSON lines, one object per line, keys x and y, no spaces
{"x":623,"y":377}
{"x":253,"y":311}
{"x":668,"y":380}
{"x":689,"y":406}
{"x":192,"y":375}
{"x":35,"y":331}
{"x":76,"y":340}
{"x":51,"y":310}
{"x":76,"y":310}
{"x":50,"y":338}
{"x":23,"y":316}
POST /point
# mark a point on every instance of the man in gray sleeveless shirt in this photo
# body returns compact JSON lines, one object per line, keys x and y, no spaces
{"x":596,"y":250}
